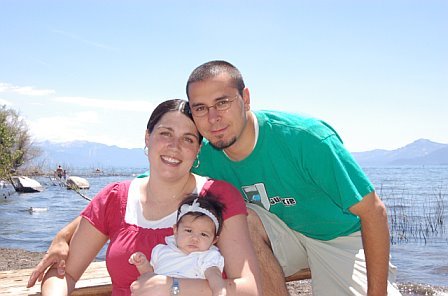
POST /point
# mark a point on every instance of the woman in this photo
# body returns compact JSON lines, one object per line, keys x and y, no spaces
{"x":137,"y":215}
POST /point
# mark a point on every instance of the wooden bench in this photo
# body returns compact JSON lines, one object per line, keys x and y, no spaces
{"x":94,"y":281}
{"x":303,"y":274}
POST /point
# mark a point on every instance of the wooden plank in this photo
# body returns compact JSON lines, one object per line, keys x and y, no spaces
{"x":94,"y":281}
{"x":303,"y":274}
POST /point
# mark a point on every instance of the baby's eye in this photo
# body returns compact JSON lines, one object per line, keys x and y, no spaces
{"x":204,"y":234}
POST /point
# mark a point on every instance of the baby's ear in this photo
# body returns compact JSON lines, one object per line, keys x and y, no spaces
{"x":215,"y":240}
{"x":175,"y":229}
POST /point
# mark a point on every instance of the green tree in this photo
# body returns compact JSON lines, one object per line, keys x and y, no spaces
{"x":16,"y":146}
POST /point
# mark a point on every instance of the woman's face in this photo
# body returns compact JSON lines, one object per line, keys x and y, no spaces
{"x":172,"y":145}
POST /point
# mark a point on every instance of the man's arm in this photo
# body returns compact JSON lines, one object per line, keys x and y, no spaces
{"x":215,"y":281}
{"x":57,"y":253}
{"x":376,"y":241}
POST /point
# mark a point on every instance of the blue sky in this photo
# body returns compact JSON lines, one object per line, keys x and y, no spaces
{"x":377,"y":71}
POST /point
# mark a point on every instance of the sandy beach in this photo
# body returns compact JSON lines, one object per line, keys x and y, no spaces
{"x":20,"y":259}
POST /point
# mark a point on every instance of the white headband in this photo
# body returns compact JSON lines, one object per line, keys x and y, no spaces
{"x":195,"y":207}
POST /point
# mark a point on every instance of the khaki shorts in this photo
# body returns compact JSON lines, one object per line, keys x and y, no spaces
{"x":338,"y":266}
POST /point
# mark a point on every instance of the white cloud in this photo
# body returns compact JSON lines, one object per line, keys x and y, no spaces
{"x":4,"y":102}
{"x":136,"y":106}
{"x":64,"y":128}
{"x":69,"y":118}
{"x":25,"y":90}
{"x":85,"y":41}
{"x":93,"y":127}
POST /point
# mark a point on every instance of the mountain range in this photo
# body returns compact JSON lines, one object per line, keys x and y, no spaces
{"x":419,"y":152}
{"x":83,"y":154}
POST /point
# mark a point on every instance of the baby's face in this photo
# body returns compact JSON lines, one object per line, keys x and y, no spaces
{"x":195,"y":234}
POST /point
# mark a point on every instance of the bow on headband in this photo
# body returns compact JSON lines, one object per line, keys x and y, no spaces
{"x":195,"y":207}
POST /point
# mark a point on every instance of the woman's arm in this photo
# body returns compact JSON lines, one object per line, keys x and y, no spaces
{"x":57,"y":253}
{"x":241,"y":267}
{"x":85,"y":244}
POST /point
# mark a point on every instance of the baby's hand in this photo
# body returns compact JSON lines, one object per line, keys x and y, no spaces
{"x":138,"y":258}
{"x":141,"y":262}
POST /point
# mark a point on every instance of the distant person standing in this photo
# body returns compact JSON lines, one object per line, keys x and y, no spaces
{"x":59,"y":172}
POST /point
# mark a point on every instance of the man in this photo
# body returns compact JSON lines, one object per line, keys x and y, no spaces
{"x":311,"y":204}
{"x":59,"y":172}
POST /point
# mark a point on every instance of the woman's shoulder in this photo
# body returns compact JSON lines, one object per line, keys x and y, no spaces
{"x":113,"y":192}
{"x":227,"y":194}
{"x":211,"y":184}
{"x":118,"y":186}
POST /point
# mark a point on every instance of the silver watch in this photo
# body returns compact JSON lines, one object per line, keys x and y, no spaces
{"x":175,"y":288}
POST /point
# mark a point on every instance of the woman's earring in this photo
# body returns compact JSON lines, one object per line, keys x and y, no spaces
{"x":196,"y":163}
{"x":145,"y":150}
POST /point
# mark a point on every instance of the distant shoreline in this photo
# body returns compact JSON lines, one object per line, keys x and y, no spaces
{"x":11,"y":259}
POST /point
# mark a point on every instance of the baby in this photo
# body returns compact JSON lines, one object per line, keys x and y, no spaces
{"x":190,"y":252}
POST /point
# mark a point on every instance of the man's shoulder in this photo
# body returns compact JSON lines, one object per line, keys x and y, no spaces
{"x":281,"y":122}
{"x":283,"y":118}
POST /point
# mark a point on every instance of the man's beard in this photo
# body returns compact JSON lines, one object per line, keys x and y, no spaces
{"x":221,"y":145}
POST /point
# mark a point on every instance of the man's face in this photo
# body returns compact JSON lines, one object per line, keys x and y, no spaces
{"x":221,"y":128}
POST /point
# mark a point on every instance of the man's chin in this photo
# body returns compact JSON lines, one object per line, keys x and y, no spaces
{"x":220,"y":144}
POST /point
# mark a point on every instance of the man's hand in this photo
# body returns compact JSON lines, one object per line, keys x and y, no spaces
{"x":151,"y":284}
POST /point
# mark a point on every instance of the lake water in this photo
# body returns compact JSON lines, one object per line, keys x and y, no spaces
{"x":417,"y":200}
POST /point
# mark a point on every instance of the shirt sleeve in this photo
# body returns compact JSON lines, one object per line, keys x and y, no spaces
{"x":103,"y":212}
{"x":155,"y":255}
{"x":228,"y":195}
{"x":334,"y":169}
{"x":211,"y":258}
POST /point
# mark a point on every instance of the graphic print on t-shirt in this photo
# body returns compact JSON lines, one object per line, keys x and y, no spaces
{"x":257,"y":194}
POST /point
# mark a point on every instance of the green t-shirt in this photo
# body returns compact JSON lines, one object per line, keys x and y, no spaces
{"x":299,"y":170}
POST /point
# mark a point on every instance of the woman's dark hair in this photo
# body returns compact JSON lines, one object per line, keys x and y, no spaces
{"x":214,"y":68}
{"x":208,"y":202}
{"x":169,"y":106}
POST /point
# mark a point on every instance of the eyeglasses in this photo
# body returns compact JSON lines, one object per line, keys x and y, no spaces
{"x":221,"y":105}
